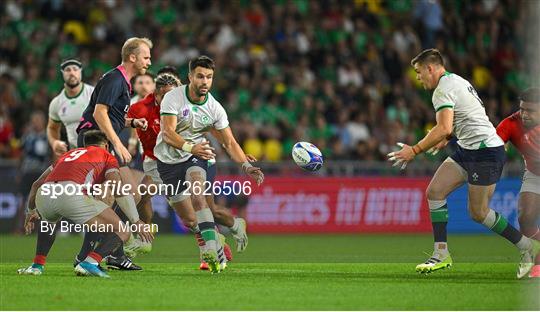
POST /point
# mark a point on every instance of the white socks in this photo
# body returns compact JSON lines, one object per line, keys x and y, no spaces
{"x":91,"y":260}
{"x":441,"y":248}
{"x":524,"y":243}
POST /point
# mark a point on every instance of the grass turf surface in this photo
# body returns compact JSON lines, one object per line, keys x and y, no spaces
{"x":279,"y":272}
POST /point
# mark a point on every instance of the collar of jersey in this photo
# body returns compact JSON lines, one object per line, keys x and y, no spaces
{"x":123,"y":71}
{"x":446,"y":73}
{"x":76,"y":95}
{"x":193,"y":102}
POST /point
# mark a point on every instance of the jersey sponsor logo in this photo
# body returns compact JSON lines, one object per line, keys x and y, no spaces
{"x":185,"y":112}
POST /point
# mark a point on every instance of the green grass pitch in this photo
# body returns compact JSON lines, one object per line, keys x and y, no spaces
{"x":278,"y":272}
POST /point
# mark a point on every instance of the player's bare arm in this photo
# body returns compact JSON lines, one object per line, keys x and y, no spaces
{"x":226,"y":138}
{"x":168,"y":126}
{"x":215,"y":134}
{"x":102,"y":118}
{"x":53,"y":135}
{"x":31,"y":214}
{"x":141,"y":123}
{"x":436,"y":138}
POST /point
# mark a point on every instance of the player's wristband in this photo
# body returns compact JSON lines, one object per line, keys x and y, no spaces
{"x":187,"y":147}
{"x":246,"y":165}
{"x":133,"y":123}
{"x":417,"y":149}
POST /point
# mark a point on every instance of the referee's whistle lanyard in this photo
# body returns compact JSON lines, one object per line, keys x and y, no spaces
{"x":122,"y":69}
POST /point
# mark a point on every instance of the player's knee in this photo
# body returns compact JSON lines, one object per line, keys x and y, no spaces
{"x":434,"y":192}
{"x":478,"y":215}
{"x":198,"y":201}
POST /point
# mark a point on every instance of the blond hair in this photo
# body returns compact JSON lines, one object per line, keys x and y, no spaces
{"x":131,"y":46}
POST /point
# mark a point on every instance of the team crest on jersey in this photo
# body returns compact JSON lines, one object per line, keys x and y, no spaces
{"x":205,"y":120}
{"x":64,"y":109}
{"x":185,"y":112}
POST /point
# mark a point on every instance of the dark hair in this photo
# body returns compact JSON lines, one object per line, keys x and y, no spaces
{"x":168,"y":69}
{"x":429,"y":56}
{"x":167,"y":79}
{"x":531,"y":95}
{"x":141,"y":75}
{"x":202,"y":61}
{"x":94,"y":137}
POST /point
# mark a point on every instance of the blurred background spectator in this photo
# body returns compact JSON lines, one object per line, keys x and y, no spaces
{"x":335,"y":73}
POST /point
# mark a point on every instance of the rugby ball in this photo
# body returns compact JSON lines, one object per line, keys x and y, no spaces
{"x":307,"y":156}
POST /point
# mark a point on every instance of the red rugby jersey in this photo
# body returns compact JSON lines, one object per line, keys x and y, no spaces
{"x":83,"y":165}
{"x":147,"y":108}
{"x":527,"y":141}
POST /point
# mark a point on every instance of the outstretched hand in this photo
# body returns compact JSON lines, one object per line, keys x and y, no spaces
{"x":401,"y":157}
{"x":31,"y":217}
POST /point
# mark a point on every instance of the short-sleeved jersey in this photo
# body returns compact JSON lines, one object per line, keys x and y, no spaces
{"x":85,"y":165}
{"x":113,"y":90}
{"x":68,"y":110}
{"x":147,"y":108}
{"x":471,"y":123}
{"x":193,"y":121}
{"x":527,"y":141}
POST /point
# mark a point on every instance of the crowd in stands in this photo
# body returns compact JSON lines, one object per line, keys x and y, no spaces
{"x":335,"y":73}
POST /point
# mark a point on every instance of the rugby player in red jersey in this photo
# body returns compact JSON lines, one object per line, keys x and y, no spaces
{"x":522,"y":129}
{"x":65,"y":189}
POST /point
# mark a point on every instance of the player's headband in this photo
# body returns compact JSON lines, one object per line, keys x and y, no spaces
{"x":66,"y":63}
